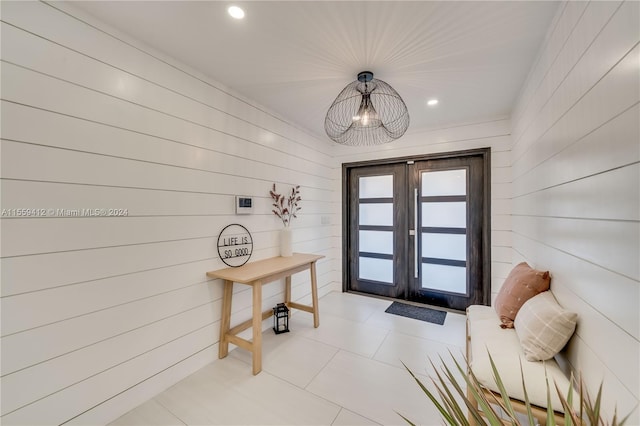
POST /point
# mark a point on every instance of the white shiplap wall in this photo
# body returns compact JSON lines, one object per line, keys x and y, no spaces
{"x":100,"y":314}
{"x":494,"y":134}
{"x":576,"y":186}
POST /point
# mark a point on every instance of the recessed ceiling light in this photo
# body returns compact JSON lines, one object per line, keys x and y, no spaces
{"x":235,"y":12}
{"x":432,"y":102}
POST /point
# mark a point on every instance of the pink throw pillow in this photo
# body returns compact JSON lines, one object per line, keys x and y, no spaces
{"x":521,"y":285}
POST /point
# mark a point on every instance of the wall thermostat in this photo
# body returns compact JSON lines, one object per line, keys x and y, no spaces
{"x":244,"y":205}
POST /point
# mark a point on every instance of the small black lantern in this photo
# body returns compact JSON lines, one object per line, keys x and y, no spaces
{"x":281,"y":318}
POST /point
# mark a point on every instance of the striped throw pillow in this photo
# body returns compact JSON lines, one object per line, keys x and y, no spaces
{"x":544,"y":327}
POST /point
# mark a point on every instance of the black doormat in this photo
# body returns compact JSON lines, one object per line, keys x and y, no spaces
{"x":417,"y":312}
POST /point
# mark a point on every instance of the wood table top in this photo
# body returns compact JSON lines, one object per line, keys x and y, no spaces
{"x":253,"y":271}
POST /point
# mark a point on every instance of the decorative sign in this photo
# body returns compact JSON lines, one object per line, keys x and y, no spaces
{"x":235,"y":245}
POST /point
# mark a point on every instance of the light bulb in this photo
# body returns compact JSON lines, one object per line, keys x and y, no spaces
{"x":236,"y":12}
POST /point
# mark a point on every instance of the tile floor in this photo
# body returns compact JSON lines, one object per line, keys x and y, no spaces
{"x":346,"y":372}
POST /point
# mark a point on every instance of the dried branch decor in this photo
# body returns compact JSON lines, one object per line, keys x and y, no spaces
{"x":286,"y":207}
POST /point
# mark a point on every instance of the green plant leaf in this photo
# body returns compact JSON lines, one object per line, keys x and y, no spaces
{"x":450,"y":392}
{"x":433,"y":399}
{"x":471,"y":407}
{"x":406,"y":419}
{"x":473,"y":385}
{"x":550,"y":412}
{"x":527,"y":403}
{"x":449,"y":398}
{"x":449,"y":405}
{"x":581,"y":397}
{"x":596,"y":410}
{"x":503,"y":392}
{"x":570,"y":418}
{"x":625,"y":418}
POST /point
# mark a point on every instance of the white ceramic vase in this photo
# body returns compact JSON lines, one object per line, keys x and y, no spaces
{"x":286,"y":242}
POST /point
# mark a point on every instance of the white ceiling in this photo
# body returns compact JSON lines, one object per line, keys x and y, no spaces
{"x":295,"y":57}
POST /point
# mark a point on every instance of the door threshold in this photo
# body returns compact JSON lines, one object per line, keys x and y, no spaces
{"x":408,"y":302}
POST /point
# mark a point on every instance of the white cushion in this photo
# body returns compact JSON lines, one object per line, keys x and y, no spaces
{"x":504,"y":346}
{"x":544,"y":327}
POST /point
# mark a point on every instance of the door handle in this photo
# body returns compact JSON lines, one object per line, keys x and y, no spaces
{"x":415,"y":233}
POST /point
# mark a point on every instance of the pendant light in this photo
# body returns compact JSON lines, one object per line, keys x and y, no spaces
{"x":366,"y":112}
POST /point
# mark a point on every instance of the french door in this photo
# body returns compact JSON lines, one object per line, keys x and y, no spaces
{"x":419,"y":229}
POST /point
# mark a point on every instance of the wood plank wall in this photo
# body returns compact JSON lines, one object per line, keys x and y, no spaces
{"x":576,"y":186}
{"x":101,"y":313}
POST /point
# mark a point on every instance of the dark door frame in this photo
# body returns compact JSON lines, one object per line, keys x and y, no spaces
{"x":485,"y":153}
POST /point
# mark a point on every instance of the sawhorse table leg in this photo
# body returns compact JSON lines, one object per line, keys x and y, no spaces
{"x":314,"y":296}
{"x":225,"y":321}
{"x":256,"y":345}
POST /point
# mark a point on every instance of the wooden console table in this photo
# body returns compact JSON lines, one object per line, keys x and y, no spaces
{"x":256,"y":274}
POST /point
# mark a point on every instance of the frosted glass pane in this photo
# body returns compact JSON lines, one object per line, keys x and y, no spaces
{"x":376,"y":269}
{"x":444,"y":246}
{"x":376,"y":186}
{"x":376,"y":241}
{"x":444,"y":278}
{"x":446,"y":182}
{"x":445,"y":215}
{"x":376,"y":214}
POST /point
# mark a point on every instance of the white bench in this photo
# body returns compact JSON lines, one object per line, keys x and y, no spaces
{"x":485,"y":336}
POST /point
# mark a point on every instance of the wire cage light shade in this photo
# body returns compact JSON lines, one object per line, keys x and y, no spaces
{"x":367,"y":112}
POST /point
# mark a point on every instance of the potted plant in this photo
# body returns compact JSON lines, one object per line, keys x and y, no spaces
{"x":286,"y":208}
{"x":454,"y":405}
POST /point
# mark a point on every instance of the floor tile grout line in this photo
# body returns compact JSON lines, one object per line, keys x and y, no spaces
{"x":417,"y":336}
{"x":303,"y":388}
{"x":373,"y":357}
{"x":337,"y":415}
{"x":168,"y":410}
{"x":347,"y":350}
{"x":339,"y":408}
{"x":360,"y":415}
{"x":334,"y":403}
{"x":322,"y":369}
{"x":423,"y":377}
{"x":428,"y":339}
